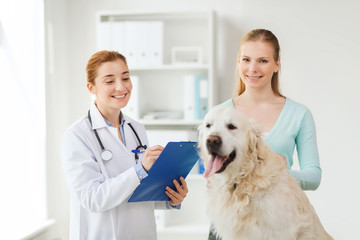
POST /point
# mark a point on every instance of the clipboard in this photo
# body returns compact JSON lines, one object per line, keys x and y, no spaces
{"x":177,"y":159}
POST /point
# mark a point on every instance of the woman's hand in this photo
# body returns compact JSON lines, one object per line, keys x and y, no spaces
{"x":176,"y":197}
{"x":150,"y":156}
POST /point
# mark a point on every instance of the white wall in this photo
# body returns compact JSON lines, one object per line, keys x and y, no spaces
{"x":320,"y":56}
{"x":57,"y":113}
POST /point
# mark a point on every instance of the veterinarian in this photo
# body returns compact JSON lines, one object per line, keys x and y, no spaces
{"x":105,"y":157}
{"x":286,"y":123}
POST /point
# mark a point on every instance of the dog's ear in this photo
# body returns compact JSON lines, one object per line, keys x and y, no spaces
{"x":199,"y":130}
{"x":255,"y":142}
{"x":200,"y":140}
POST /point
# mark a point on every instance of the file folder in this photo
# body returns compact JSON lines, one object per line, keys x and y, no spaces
{"x":175,"y":161}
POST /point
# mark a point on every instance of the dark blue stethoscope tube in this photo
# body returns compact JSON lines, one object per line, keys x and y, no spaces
{"x":106,"y":155}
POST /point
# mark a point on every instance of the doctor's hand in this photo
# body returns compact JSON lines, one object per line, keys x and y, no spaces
{"x":176,"y":197}
{"x":150,"y":156}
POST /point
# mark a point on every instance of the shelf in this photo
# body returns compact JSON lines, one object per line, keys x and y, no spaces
{"x":167,"y":81}
{"x":116,"y":15}
{"x":204,"y":67}
{"x":156,"y":45}
{"x":170,"y":122}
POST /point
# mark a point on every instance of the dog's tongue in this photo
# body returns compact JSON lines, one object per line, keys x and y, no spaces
{"x":214,"y":165}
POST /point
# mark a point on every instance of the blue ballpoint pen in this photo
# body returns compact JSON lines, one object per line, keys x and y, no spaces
{"x":137,"y":151}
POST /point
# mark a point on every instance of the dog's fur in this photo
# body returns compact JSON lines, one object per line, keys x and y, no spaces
{"x":253,"y":196}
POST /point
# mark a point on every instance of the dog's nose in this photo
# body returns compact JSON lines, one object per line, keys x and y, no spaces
{"x":213,"y":143}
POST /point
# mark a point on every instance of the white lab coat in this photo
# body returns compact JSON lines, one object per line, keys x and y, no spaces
{"x":99,"y":190}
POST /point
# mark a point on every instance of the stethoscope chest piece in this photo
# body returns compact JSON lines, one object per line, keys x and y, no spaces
{"x":106,"y":155}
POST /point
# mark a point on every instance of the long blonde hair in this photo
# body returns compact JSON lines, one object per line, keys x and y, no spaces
{"x":265,"y":36}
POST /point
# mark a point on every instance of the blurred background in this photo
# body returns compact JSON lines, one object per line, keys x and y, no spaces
{"x":44,"y":48}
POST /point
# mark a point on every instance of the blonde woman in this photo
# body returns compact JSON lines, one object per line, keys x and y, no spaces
{"x":286,"y":124}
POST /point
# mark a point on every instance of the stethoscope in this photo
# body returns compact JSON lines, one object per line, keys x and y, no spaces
{"x":107,"y":155}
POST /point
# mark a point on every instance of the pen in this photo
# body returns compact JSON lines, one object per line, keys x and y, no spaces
{"x":137,"y":151}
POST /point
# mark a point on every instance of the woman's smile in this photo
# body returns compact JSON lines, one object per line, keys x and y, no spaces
{"x":122,"y":96}
{"x":253,"y":77}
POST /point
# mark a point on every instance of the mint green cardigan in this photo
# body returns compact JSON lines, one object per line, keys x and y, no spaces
{"x":295,"y":127}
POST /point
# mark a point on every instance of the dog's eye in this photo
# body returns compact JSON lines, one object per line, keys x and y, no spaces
{"x":208,"y":125}
{"x":231,"y":126}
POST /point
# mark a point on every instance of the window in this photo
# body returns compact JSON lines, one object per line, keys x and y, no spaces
{"x":22,"y":117}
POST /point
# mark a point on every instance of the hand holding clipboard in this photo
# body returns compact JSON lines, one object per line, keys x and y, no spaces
{"x":175,"y":161}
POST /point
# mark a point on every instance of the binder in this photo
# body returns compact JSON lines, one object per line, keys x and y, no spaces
{"x":189,"y":97}
{"x":134,"y":43}
{"x":118,"y":38}
{"x":141,"y":42}
{"x":132,"y":108}
{"x":175,"y":161}
{"x":104,"y":36}
{"x":196,"y":97}
{"x":155,"y":43}
{"x":203,"y":97}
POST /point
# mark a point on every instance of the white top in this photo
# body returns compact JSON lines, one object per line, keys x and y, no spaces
{"x":99,"y":190}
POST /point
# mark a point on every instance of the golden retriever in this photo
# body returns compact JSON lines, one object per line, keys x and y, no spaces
{"x":251,"y":194}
